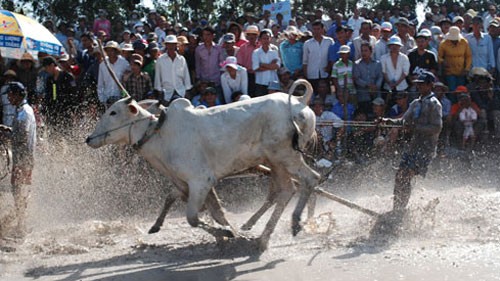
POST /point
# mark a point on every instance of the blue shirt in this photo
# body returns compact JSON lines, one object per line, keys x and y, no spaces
{"x":338,"y":109}
{"x":333,"y":55}
{"x":332,"y":31}
{"x":291,"y":55}
{"x":482,"y":51}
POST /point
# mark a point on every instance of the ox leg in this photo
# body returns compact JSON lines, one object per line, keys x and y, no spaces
{"x":308,"y":180}
{"x":198,"y":192}
{"x":270,"y":200}
{"x":217,"y":213}
{"x":161,"y":218}
{"x":284,"y":186}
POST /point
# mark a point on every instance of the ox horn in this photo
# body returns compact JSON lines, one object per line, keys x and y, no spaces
{"x":111,"y":72}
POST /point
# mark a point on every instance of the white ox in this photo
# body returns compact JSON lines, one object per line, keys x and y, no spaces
{"x":195,"y":148}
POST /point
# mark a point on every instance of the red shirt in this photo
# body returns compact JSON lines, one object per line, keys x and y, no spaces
{"x":244,"y":55}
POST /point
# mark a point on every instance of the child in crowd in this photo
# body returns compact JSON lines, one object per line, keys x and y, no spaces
{"x":468,"y":117}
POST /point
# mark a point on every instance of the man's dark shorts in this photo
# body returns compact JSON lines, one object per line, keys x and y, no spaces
{"x":417,"y":162}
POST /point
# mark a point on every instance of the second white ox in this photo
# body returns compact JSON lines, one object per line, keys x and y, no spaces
{"x":195,"y":148}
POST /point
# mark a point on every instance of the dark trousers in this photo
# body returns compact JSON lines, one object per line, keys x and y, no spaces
{"x":251,"y":85}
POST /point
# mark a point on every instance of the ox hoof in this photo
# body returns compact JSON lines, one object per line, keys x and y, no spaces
{"x":154,"y":229}
{"x":296,"y":228}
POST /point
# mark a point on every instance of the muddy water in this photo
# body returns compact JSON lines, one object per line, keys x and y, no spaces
{"x":90,"y":211}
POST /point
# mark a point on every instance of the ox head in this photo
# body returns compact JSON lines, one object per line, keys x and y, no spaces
{"x":115,"y":125}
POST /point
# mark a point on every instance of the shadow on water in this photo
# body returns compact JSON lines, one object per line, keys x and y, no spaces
{"x":209,"y":261}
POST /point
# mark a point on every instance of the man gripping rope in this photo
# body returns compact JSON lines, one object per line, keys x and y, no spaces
{"x":23,"y":137}
{"x":423,"y":118}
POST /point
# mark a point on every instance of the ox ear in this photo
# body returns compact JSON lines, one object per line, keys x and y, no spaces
{"x":133,"y":109}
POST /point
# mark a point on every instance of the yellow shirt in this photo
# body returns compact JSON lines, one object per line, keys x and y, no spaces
{"x":456,"y":58}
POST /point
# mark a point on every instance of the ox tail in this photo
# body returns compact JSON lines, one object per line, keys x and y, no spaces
{"x":307,"y":95}
{"x":298,"y":134}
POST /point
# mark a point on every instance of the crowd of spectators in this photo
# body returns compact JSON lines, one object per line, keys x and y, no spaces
{"x":361,"y":66}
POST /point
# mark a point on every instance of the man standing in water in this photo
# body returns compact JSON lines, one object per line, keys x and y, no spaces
{"x":423,"y":118}
{"x":23,"y":138}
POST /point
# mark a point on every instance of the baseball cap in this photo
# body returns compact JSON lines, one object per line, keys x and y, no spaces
{"x":344,"y":49}
{"x":229,"y":38}
{"x":425,"y":77}
{"x":378,"y":101}
{"x":461,"y":89}
{"x":386,"y":26}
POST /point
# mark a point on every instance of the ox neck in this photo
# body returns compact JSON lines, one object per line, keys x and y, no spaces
{"x":142,"y":134}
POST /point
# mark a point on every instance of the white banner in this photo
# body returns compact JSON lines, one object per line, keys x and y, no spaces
{"x":283,"y":7}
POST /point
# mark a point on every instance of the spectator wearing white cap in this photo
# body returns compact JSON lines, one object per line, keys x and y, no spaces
{"x":395,"y":66}
{"x":229,"y":48}
{"x":342,"y":72}
{"x":171,"y":72}
{"x":381,"y":47}
{"x":265,"y":62}
{"x":234,"y":78}
{"x":421,"y":58}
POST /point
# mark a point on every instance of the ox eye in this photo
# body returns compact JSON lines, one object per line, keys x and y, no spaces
{"x":112,"y":113}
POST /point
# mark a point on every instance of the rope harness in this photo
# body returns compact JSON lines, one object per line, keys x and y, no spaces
{"x":150,"y":131}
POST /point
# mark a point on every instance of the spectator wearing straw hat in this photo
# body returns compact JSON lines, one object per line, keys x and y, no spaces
{"x":107,"y":89}
{"x":455,"y":58}
{"x":234,"y":78}
{"x":171,"y":72}
{"x":27,"y":74}
{"x":291,"y":51}
{"x":244,"y":55}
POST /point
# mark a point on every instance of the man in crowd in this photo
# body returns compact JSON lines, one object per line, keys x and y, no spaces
{"x":107,"y":89}
{"x":172,"y":72}
{"x":368,"y":78}
{"x":208,"y":57}
{"x":244,"y":55}
{"x":315,"y":56}
{"x":23,"y":136}
{"x":481,"y":46}
{"x":364,"y":36}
